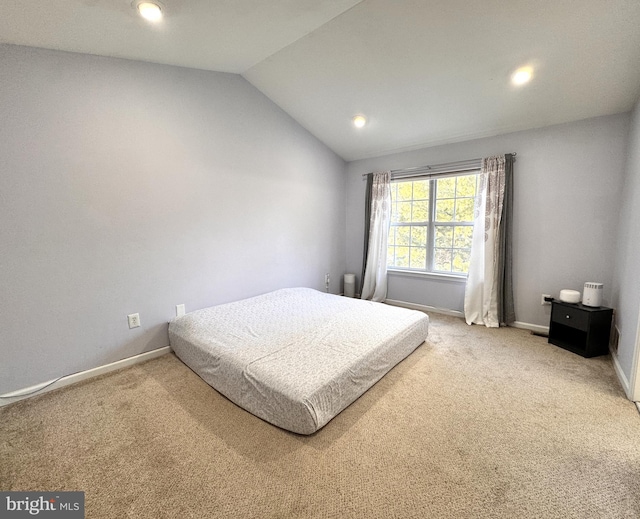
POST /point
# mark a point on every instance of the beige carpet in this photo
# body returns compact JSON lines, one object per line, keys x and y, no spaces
{"x":476,"y":423}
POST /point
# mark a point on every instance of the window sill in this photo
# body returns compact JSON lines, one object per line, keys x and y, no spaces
{"x":429,"y":275}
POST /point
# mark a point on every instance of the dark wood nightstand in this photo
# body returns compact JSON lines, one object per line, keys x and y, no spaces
{"x":581,"y":329}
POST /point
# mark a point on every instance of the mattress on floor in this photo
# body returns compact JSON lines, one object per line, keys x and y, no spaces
{"x":296,"y":357}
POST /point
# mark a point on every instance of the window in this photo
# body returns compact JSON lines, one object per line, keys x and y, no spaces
{"x":432,"y":224}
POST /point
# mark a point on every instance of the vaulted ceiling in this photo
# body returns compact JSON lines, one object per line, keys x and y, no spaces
{"x":423,"y":72}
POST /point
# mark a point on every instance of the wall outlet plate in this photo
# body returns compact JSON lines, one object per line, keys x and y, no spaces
{"x":543,"y":300}
{"x":180,"y":310}
{"x":134,"y":320}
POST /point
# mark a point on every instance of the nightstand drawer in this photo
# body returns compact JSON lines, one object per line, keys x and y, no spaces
{"x":568,"y":316}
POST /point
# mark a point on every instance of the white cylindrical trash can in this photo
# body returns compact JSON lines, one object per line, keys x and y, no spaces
{"x":592,"y":295}
{"x":350,"y":285}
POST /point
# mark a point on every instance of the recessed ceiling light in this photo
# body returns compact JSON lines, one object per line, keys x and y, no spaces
{"x":150,"y":11}
{"x":522,"y":75}
{"x":359,"y":121}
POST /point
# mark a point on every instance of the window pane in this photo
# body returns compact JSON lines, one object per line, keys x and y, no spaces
{"x":446,"y":187}
{"x":443,"y":260}
{"x":420,"y":211}
{"x":461,"y":261}
{"x":410,"y":235}
{"x":466,"y":186}
{"x":404,"y":190}
{"x":444,"y":236}
{"x":403,"y":234}
{"x":462,"y":236}
{"x":418,"y":257}
{"x":421,"y":190}
{"x":444,"y":210}
{"x":464,"y":210}
{"x":419,"y":236}
{"x":391,"y":239}
{"x":402,"y":256}
{"x":403,"y":212}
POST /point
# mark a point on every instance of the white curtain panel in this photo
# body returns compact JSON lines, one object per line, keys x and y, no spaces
{"x":374,"y":286}
{"x":481,"y":292}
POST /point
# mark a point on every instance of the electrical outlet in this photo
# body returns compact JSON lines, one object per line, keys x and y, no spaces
{"x":134,"y":320}
{"x":543,"y":300}
{"x":180,"y":311}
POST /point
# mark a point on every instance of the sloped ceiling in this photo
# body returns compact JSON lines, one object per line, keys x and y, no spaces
{"x":423,"y":72}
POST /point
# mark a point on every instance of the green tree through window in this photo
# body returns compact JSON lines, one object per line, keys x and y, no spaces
{"x":432,"y":224}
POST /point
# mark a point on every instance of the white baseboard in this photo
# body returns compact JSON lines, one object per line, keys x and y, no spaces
{"x":624,"y":381}
{"x":424,"y":308}
{"x":45,"y":387}
{"x":536,"y":328}
{"x":544,"y":330}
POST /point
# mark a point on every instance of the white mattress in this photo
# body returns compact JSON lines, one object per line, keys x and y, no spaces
{"x":296,"y":357}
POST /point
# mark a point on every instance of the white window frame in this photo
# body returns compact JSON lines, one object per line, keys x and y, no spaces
{"x":431,"y":227}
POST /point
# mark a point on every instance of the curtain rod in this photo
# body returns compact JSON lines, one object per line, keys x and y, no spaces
{"x":444,"y":167}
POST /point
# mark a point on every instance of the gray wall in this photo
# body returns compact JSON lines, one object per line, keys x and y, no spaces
{"x":131,"y":187}
{"x":568,"y":183}
{"x":627,"y":257}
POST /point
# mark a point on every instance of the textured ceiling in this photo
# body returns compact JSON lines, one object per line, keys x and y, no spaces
{"x":424,"y":72}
